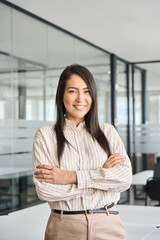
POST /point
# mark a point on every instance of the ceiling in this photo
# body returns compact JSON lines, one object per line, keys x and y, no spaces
{"x":128,"y":28}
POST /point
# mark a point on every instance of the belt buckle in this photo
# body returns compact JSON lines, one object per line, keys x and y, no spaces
{"x":89,"y":211}
{"x":106,"y":207}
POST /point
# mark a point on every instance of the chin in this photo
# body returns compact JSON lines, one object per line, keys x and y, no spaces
{"x":79,"y":117}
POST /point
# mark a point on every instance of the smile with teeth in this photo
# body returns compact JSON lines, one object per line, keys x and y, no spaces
{"x":79,"y":106}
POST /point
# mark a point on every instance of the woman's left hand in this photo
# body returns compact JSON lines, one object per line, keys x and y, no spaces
{"x":55,"y":175}
{"x":114,"y":160}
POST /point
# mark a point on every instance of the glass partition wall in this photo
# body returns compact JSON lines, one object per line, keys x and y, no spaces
{"x":149,"y":129}
{"x":122,"y":101}
{"x":122,"y":107}
{"x":137,"y":117}
{"x":145,"y":127}
{"x":32,"y":55}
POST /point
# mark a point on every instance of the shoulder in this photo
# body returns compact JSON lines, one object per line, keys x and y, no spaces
{"x":109,"y":130}
{"x":44,"y":132}
{"x":106,"y":127}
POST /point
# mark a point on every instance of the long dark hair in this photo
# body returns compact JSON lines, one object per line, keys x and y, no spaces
{"x":91,"y":118}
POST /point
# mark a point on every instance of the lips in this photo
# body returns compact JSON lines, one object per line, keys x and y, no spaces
{"x":79,"y":107}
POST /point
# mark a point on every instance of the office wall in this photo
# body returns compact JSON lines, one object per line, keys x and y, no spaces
{"x":35,"y":54}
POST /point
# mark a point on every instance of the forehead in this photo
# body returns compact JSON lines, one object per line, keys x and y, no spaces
{"x":76,"y":81}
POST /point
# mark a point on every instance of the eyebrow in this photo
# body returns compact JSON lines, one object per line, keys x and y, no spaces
{"x":77,"y":88}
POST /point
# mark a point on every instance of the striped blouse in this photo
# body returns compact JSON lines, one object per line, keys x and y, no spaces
{"x":96,"y":186}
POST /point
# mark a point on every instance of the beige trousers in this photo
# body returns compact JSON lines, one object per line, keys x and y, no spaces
{"x":97,"y":226}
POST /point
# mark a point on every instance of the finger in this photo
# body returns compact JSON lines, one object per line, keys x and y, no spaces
{"x":43,"y":177}
{"x":112,"y":160}
{"x":117,"y":163}
{"x":118,"y":157}
{"x":42,"y":172}
{"x":46,"y":180}
{"x":114,"y":156}
{"x":45,"y":167}
{"x":120,"y":160}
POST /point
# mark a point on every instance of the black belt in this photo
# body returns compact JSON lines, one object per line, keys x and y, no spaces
{"x":99,"y":210}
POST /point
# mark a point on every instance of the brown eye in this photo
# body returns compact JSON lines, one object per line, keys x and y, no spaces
{"x":71,"y":91}
{"x":87,"y":91}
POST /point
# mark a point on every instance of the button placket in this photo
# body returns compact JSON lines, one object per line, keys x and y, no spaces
{"x":80,"y":150}
{"x":77,"y":133}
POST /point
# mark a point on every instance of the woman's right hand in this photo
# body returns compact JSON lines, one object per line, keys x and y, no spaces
{"x":114,"y":160}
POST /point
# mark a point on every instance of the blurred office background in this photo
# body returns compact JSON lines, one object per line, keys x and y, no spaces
{"x":33,"y":53}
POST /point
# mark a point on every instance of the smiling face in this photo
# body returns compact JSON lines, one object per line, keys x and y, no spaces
{"x":77,"y":99}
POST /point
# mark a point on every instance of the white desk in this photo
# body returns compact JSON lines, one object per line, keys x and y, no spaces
{"x":139,"y":179}
{"x":139,"y":214}
{"x":140,"y":221}
{"x":26,"y":224}
{"x":153,"y":235}
{"x":30,"y":223}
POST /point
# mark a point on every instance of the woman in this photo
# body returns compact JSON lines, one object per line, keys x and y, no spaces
{"x":80,"y":166}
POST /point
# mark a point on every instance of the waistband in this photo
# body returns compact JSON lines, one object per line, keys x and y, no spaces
{"x":98,"y":210}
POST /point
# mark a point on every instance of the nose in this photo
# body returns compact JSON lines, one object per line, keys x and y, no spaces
{"x":80,"y":96}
